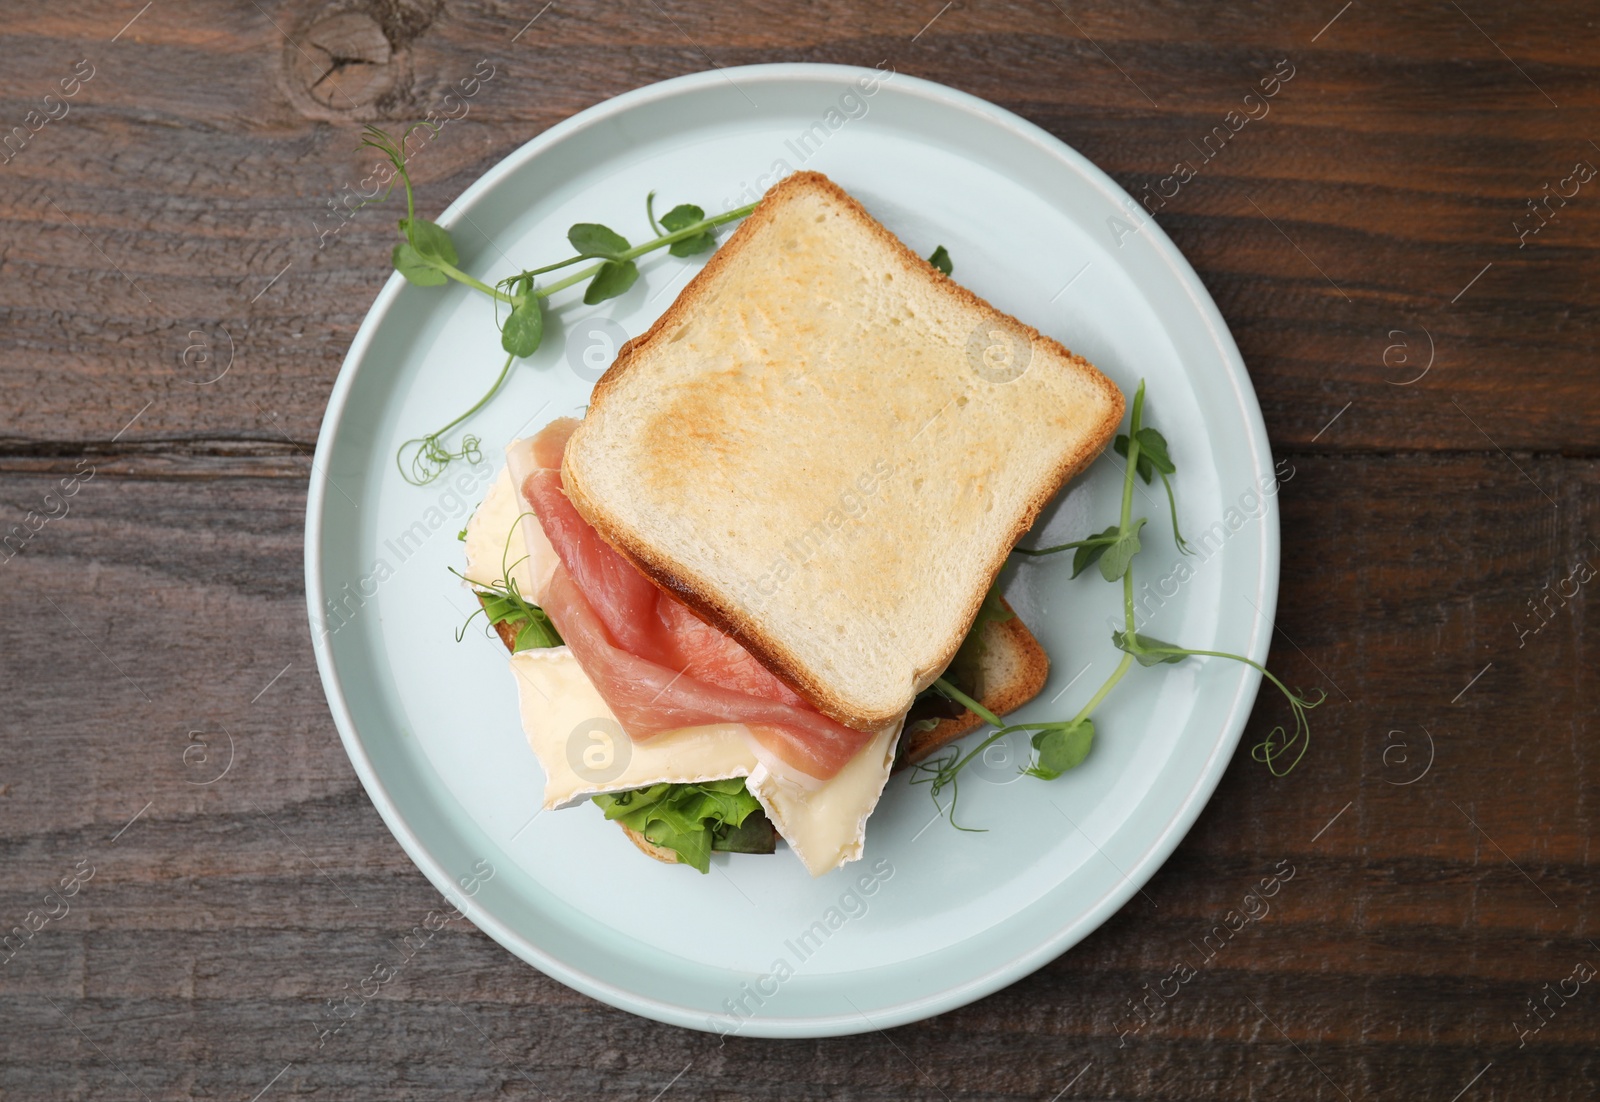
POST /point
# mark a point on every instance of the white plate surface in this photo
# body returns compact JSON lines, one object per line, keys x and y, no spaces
{"x":431,"y":725}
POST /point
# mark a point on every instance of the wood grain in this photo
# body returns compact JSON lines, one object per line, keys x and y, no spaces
{"x":174,"y":209}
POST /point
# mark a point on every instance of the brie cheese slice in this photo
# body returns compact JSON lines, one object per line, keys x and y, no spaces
{"x":826,"y":824}
{"x":494,"y":543}
{"x":584,"y":751}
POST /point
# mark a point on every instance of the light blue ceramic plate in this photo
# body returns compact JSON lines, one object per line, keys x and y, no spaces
{"x":944,"y":917}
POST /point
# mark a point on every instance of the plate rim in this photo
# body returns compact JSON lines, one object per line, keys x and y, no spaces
{"x":1139,"y":872}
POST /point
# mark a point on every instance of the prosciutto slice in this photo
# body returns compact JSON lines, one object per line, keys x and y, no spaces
{"x":657,"y":665}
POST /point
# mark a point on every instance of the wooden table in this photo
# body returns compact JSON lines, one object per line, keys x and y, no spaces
{"x":1425,"y":360}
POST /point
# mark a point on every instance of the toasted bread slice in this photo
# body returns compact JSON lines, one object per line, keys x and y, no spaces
{"x":660,"y":853}
{"x":827,"y":448}
{"x":507,"y":633}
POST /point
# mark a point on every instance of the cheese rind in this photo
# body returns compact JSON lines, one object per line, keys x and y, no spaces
{"x":825,"y":824}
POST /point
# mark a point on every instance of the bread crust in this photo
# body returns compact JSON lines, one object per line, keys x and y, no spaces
{"x":740,"y":623}
{"x":507,"y":634}
{"x":660,"y":853}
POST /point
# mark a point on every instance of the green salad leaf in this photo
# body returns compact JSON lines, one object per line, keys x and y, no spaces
{"x":530,"y":622}
{"x":692,"y":819}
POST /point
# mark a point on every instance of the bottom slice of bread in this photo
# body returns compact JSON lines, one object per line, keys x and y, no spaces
{"x":1011,"y":671}
{"x":660,"y":853}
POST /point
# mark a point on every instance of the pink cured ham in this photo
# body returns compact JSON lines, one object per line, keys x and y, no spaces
{"x":657,"y":665}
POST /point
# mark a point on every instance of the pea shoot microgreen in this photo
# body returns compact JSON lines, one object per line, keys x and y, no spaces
{"x":1153,"y":460}
{"x":1062,"y":745}
{"x":502,"y":602}
{"x":427,"y":257}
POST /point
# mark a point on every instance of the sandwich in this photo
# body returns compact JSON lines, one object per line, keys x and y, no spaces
{"x":729,"y":588}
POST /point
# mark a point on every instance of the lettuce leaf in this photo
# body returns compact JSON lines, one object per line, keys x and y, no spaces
{"x":692,"y":819}
{"x":532,"y":626}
